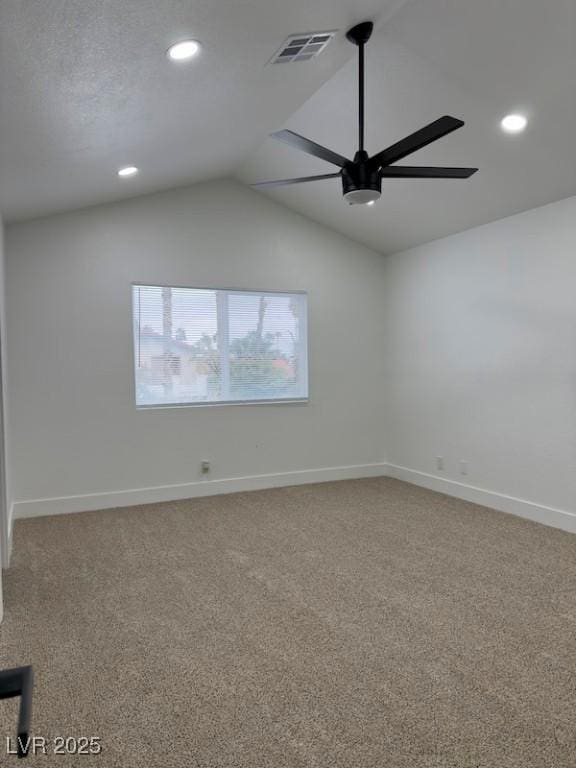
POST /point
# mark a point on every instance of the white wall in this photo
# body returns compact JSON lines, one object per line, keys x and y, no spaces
{"x":76,"y":431}
{"x":464,"y":348}
{"x":5,"y":493}
{"x":480,"y":359}
{"x":5,"y":476}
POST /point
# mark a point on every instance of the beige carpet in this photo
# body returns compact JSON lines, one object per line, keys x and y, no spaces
{"x":360,"y":624}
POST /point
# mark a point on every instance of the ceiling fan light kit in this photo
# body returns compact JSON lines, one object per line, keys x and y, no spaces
{"x":362,"y":177}
{"x":361,"y":183}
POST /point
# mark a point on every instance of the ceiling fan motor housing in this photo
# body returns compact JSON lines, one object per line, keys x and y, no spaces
{"x":361,"y":181}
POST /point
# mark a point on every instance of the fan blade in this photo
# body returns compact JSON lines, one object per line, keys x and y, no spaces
{"x":285,"y":182}
{"x":423,"y":137}
{"x":416,"y":172}
{"x":310,"y":147}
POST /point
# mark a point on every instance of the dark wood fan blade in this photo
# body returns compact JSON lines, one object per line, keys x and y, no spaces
{"x":423,"y":137}
{"x":310,"y":147}
{"x":416,"y":172}
{"x":285,"y":182}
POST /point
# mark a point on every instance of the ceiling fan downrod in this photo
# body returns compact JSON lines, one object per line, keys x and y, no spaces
{"x":359,"y":35}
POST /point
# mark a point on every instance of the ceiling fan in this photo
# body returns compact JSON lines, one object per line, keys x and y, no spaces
{"x":362,"y":176}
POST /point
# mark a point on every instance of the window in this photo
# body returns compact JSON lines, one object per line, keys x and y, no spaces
{"x":198,"y":345}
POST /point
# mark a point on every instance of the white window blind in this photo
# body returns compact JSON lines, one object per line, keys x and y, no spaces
{"x":197,"y":345}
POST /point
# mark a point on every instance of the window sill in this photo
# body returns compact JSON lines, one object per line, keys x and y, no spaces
{"x":164,"y":406}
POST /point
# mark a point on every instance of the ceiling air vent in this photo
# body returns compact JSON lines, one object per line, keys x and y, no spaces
{"x":302,"y":47}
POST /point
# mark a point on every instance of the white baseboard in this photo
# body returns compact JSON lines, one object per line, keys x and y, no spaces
{"x":557,"y":518}
{"x":10,"y":530}
{"x":7,"y":545}
{"x":129,"y":498}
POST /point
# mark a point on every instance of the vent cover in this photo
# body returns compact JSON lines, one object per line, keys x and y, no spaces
{"x":302,"y":47}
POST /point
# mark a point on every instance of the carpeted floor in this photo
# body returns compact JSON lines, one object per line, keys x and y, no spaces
{"x":359,"y":624}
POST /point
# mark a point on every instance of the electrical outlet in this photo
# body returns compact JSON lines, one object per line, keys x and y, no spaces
{"x":463,"y":467}
{"x":440,"y":463}
{"x":205,"y":467}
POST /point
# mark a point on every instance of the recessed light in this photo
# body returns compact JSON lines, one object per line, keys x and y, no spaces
{"x":371,"y":202}
{"x":129,"y":170}
{"x":513,"y":123}
{"x":184,"y":50}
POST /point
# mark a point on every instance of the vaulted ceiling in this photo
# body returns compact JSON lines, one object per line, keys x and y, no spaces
{"x":474,"y":60}
{"x":85,"y":88}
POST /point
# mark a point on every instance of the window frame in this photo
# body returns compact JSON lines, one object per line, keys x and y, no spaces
{"x":303,"y":348}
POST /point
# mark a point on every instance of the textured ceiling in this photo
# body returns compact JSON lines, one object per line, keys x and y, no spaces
{"x":474,"y":60}
{"x":85,"y":87}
